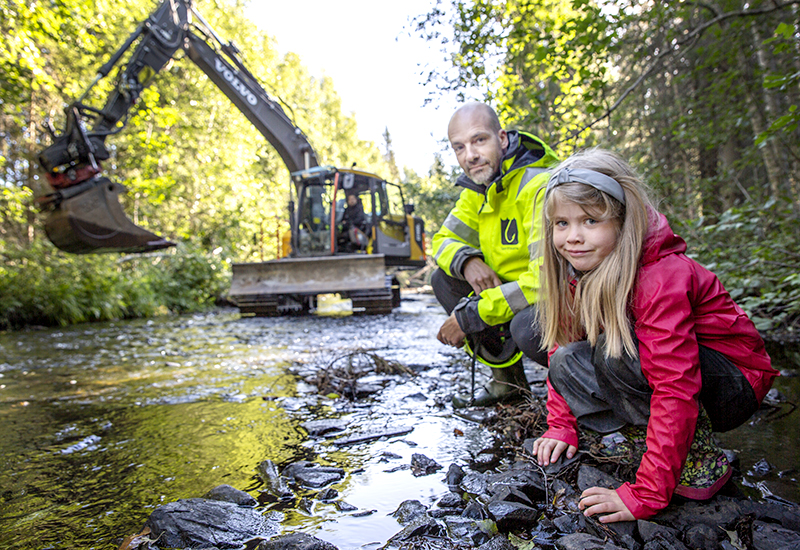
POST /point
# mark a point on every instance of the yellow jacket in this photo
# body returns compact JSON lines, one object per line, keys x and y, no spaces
{"x":496,"y":223}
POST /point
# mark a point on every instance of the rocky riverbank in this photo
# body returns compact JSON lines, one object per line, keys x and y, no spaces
{"x":497,"y":500}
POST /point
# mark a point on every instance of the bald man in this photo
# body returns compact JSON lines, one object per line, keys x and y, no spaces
{"x":488,"y":278}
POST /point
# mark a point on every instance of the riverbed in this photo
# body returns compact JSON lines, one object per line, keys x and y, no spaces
{"x":102,"y":423}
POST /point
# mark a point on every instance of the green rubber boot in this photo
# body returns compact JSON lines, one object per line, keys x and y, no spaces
{"x":508,"y":384}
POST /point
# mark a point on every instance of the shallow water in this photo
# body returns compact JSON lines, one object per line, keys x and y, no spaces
{"x":102,"y":423}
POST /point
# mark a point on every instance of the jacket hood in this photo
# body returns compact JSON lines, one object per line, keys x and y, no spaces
{"x":523,"y":150}
{"x":660,"y":241}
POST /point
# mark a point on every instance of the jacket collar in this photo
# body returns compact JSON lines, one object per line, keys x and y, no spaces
{"x":523,"y":150}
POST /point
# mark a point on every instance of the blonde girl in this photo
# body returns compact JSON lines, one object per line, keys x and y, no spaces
{"x":643,"y":336}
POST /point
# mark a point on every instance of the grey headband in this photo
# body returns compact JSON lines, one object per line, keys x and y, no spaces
{"x":599,"y":181}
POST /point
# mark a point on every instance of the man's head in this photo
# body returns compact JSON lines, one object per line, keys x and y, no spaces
{"x":478,"y":141}
{"x":352,"y":200}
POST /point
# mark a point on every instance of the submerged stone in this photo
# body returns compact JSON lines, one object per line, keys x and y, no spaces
{"x":296,"y":541}
{"x":421,"y":465}
{"x":310,"y":474}
{"x":229,"y":494}
{"x":275,"y":484}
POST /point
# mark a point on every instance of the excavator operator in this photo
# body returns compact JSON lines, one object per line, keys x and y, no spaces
{"x":354,"y":225}
{"x":487,"y":280}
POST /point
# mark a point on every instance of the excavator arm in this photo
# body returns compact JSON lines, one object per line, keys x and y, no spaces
{"x":84,"y":211}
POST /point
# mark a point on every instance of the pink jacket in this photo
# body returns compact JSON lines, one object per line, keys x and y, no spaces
{"x":677,"y":304}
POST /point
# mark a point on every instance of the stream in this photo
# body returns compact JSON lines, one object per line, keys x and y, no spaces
{"x":102,"y":423}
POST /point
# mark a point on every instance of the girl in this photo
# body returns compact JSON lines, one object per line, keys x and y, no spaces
{"x":646,"y":337}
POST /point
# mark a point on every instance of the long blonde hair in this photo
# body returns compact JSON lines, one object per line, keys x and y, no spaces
{"x":600,"y":298}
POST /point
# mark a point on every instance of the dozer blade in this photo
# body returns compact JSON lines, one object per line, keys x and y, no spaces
{"x":265,"y":282}
{"x":92,"y":221}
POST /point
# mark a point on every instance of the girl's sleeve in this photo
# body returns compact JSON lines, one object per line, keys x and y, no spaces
{"x":561,"y":423}
{"x":669,"y":355}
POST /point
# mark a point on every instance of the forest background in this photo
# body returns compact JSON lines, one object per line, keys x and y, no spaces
{"x":701,"y":97}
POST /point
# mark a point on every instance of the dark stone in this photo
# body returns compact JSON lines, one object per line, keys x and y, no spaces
{"x":454,"y":475}
{"x":521,"y":477}
{"x":408,"y":511}
{"x":512,"y":515}
{"x":275,"y":484}
{"x":498,"y":542}
{"x":343,"y":506}
{"x":468,"y":531}
{"x":771,"y":537}
{"x":306,"y":505}
{"x":363,"y":513}
{"x":310,"y":474}
{"x":421,"y":465}
{"x":510,"y":494}
{"x":451,"y":500}
{"x":584,"y":541}
{"x":567,"y":524}
{"x":296,"y":541}
{"x":203,"y":523}
{"x":589,"y":476}
{"x":318,"y":428}
{"x":328,"y":494}
{"x":423,"y":527}
{"x":475,"y":510}
{"x":227,"y":493}
{"x":660,"y":534}
{"x":373,"y":436}
{"x":474,"y":483}
{"x":439,"y":513}
{"x":702,"y":537}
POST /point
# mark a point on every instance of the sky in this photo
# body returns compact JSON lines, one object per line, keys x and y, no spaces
{"x":366,"y":48}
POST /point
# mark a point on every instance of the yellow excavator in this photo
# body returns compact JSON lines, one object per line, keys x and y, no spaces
{"x":319,"y":254}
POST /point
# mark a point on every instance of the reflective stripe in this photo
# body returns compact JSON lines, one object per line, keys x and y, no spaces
{"x":514,"y":296}
{"x":533,"y":249}
{"x":529,"y":174}
{"x":447,"y":243}
{"x":462,"y":230}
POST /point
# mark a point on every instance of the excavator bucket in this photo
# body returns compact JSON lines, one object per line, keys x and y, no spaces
{"x":92,"y":221}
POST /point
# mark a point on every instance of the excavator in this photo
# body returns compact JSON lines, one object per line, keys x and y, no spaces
{"x":317,"y":254}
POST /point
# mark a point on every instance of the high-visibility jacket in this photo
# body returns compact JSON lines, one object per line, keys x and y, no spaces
{"x":495,"y":222}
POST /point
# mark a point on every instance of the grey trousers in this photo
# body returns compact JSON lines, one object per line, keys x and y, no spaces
{"x":524,"y":330}
{"x":606,"y":394}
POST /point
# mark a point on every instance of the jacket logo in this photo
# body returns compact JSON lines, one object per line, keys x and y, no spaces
{"x":509,"y":232}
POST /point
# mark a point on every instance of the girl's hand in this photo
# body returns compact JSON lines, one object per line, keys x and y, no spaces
{"x":597,"y":500}
{"x":548,"y":450}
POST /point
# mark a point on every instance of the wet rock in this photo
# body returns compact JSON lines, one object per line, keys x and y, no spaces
{"x":386,"y":455}
{"x":306,"y":505}
{"x":475,"y":510}
{"x":454,"y":475}
{"x":468,"y":531}
{"x":451,"y":500}
{"x":767,"y":536}
{"x":275,"y":484}
{"x":510,"y":494}
{"x":296,"y":541}
{"x":521,"y":477}
{"x":421,"y":465}
{"x":474,"y":483}
{"x":702,"y":537}
{"x":662,"y":535}
{"x":310,"y":474}
{"x":227,"y":493}
{"x":205,"y":523}
{"x":328,"y":494}
{"x":589,"y":476}
{"x":343,"y":506}
{"x":372,"y":436}
{"x":584,"y":541}
{"x":318,"y":428}
{"x":498,"y":542}
{"x":363,"y":513}
{"x":512,"y":515}
{"x":423,"y":526}
{"x":408,"y":511}
{"x":566,"y":524}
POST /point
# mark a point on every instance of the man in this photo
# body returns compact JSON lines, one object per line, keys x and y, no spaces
{"x":354,"y":225}
{"x":487,"y":280}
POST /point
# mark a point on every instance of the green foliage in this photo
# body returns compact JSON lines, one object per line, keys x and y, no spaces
{"x":755,"y":250}
{"x":40,"y":285}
